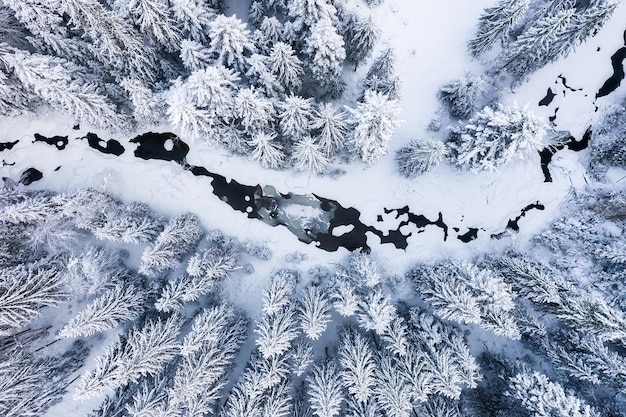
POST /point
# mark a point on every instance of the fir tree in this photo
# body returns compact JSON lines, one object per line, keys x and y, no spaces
{"x":376,"y":312}
{"x":495,"y":23}
{"x":361,"y":35}
{"x":266,"y":151}
{"x":381,"y":77}
{"x":392,"y":390}
{"x":180,"y":236}
{"x":148,"y":108}
{"x":326,"y":48}
{"x":346,"y":300}
{"x":420,"y":156}
{"x":460,"y":95}
{"x":295,"y":113}
{"x":313,"y":310}
{"x":276,"y":332}
{"x":254,"y":110}
{"x":325,"y":394}
{"x":195,"y":56}
{"x":286,"y":66}
{"x":495,"y":137}
{"x":144,"y":352}
{"x":357,"y":360}
{"x":331,"y":125}
{"x":301,"y":356}
{"x":262,"y":76}
{"x":230,"y":41}
{"x":306,"y":13}
{"x":374,"y":121}
{"x":193,"y":17}
{"x":122,"y":303}
{"x":308,"y":156}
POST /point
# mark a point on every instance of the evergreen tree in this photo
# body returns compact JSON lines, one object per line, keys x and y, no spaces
{"x":495,"y":23}
{"x":195,"y":56}
{"x":306,"y":13}
{"x":286,"y":66}
{"x":541,"y":397}
{"x":230,"y":41}
{"x":178,"y":237}
{"x":261,"y":75}
{"x":420,"y":156}
{"x":295,"y":114}
{"x":460,"y":95}
{"x":254,"y":110}
{"x":276,"y":332}
{"x":148,"y":107}
{"x":122,"y":303}
{"x":361,"y":35}
{"x":308,"y":156}
{"x":331,"y":125}
{"x":359,"y":369}
{"x":325,"y":395}
{"x":363,"y":270}
{"x":346,"y":300}
{"x":54,"y":80}
{"x":495,"y":137}
{"x":313,"y":310}
{"x":25,"y":290}
{"x":144,"y":352}
{"x":376,"y":312}
{"x":266,"y":151}
{"x":374,"y":121}
{"x":392,"y":390}
{"x":325,"y":47}
{"x":301,"y":356}
{"x":193,"y":17}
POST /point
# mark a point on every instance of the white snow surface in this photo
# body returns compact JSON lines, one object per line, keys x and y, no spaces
{"x":429,"y":39}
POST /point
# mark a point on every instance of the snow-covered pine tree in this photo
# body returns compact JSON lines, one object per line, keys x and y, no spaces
{"x":127,"y":226}
{"x":361,"y":34}
{"x":330,"y":124}
{"x":396,"y":337}
{"x":117,"y":43}
{"x":459,"y":96}
{"x":25,"y":290}
{"x":495,"y":23}
{"x":376,"y":312}
{"x":364,"y":270}
{"x":301,"y":356}
{"x":374,"y":121}
{"x":150,"y":399}
{"x":193,"y":17}
{"x":325,"y":47}
{"x":121,"y":303}
{"x":542,"y":397}
{"x":495,"y":137}
{"x":286,"y":66}
{"x":276,"y":331}
{"x":325,"y":393}
{"x":346,"y":299}
{"x":314,"y":312}
{"x":254,"y":110}
{"x":230,"y":41}
{"x":308,"y":156}
{"x":94,"y":270}
{"x":194,"y":123}
{"x":295,"y":114}
{"x":59,"y":83}
{"x":278,"y":402}
{"x":420,"y":156}
{"x":148,"y":107}
{"x":260,"y":75}
{"x":208,"y":327}
{"x":359,"y":368}
{"x":534,"y":47}
{"x":145,"y":351}
{"x":154,"y":19}
{"x":381,"y":77}
{"x":266,"y":150}
{"x":306,"y":13}
{"x":195,"y":56}
{"x":178,"y":237}
{"x":392,"y":390}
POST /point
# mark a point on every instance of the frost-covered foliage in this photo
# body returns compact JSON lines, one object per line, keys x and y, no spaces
{"x":419,"y":156}
{"x":608,"y":147}
{"x":460,"y":95}
{"x":361,"y":35}
{"x":495,"y":23}
{"x":374,"y":121}
{"x":381,"y":77}
{"x":495,"y":137}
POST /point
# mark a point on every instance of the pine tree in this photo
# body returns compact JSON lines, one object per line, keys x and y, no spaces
{"x":361,"y":34}
{"x":122,"y":303}
{"x":313,"y":310}
{"x":306,"y":13}
{"x":150,"y":398}
{"x":495,"y":137}
{"x":286,"y":66}
{"x":357,"y":360}
{"x":325,"y":47}
{"x":346,"y":300}
{"x":420,"y":156}
{"x":148,"y":108}
{"x":51,"y":79}
{"x":376,"y":312}
{"x":460,"y":95}
{"x":381,"y":77}
{"x":295,"y":114}
{"x":534,"y":47}
{"x":194,"y":17}
{"x":127,"y":226}
{"x":254,"y":110}
{"x":94,"y":270}
{"x":325,"y":394}
{"x":194,"y":55}
{"x":261,"y":76}
{"x":364,"y":270}
{"x":230,"y":41}
{"x":24,"y":291}
{"x":276,"y":332}
{"x":180,"y":236}
{"x":153,"y":19}
{"x":374,"y":121}
{"x":495,"y":23}
{"x":266,"y":151}
{"x":279,"y":402}
{"x":144,"y":352}
{"x":331,"y":125}
{"x":301,"y":356}
{"x":392,"y":390}
{"x":308,"y":156}
{"x":541,"y":397}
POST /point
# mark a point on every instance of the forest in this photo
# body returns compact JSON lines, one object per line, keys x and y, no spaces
{"x":110,"y":307}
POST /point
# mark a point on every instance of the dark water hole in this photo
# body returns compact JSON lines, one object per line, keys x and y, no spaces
{"x":548,"y":98}
{"x":570,"y":143}
{"x":5,"y":146}
{"x":60,"y":142}
{"x":614,"y":81}
{"x":111,"y":146}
